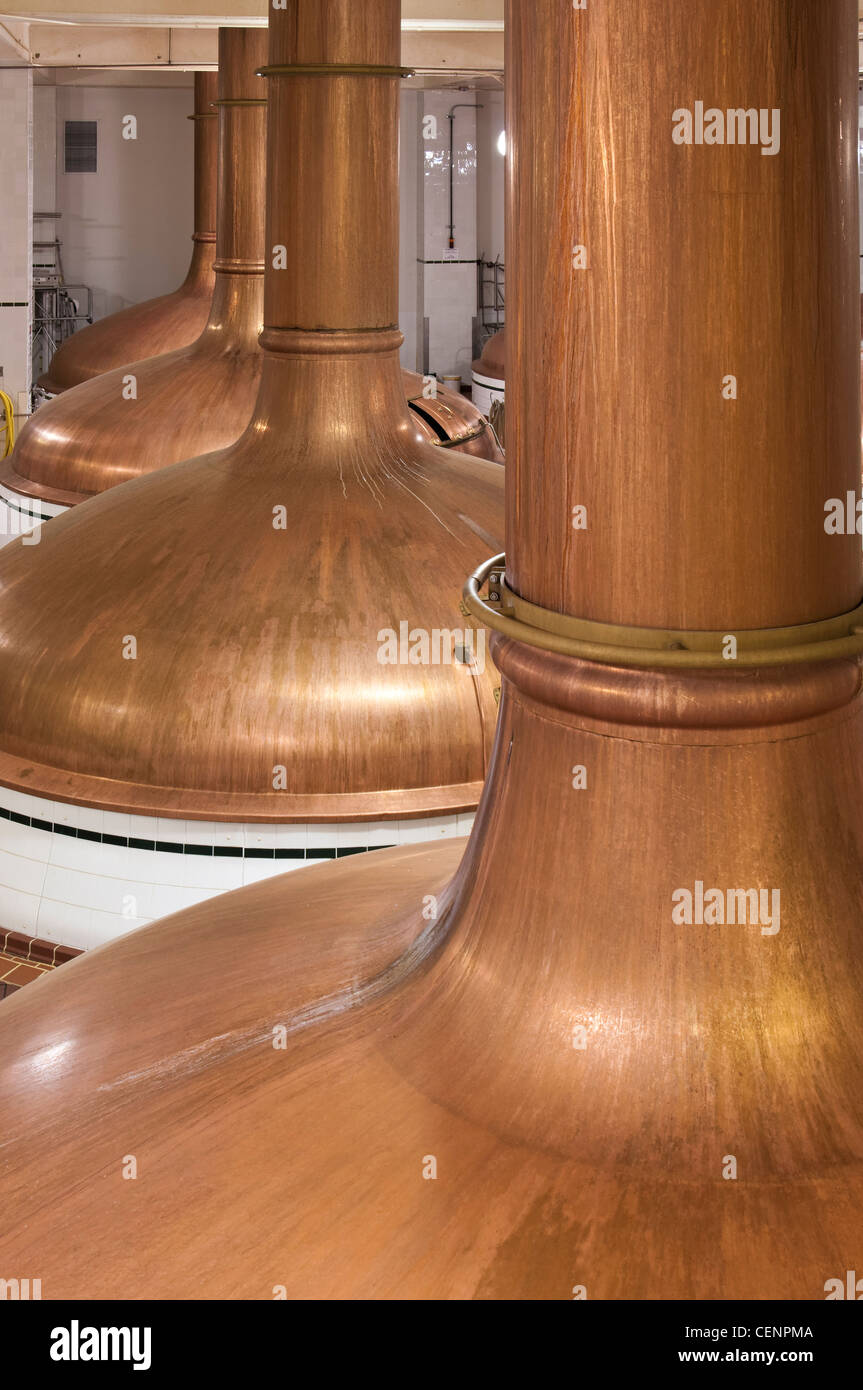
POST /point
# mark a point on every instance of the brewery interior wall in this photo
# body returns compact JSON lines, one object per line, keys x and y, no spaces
{"x":16,"y":194}
{"x":125,"y":229}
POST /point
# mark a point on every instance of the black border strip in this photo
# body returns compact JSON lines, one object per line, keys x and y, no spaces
{"x":175,"y":847}
{"x":36,"y":516}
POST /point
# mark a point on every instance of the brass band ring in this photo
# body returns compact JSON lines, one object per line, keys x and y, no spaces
{"x":240,"y":101}
{"x":526,"y":622}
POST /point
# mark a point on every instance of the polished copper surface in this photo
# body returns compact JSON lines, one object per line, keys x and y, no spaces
{"x":196,"y":398}
{"x":449,"y":419}
{"x":171,"y":320}
{"x":578,"y":1067}
{"x":258,"y":580}
{"x":656,"y":411}
{"x":492,"y":362}
{"x":456,"y":1038}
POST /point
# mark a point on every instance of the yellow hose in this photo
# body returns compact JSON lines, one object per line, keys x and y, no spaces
{"x":9,"y":413}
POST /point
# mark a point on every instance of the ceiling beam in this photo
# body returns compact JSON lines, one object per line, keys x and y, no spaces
{"x":416,"y":14}
{"x":432,"y":49}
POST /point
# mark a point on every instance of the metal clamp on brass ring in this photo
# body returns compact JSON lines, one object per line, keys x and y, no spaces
{"x":203,"y":115}
{"x":334,"y":69}
{"x":526,"y":622}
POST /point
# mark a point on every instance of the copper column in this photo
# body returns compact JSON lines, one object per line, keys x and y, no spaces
{"x":172,"y":320}
{"x":337,"y":220}
{"x":147,"y":414}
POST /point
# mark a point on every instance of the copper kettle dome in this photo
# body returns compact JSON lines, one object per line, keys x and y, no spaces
{"x":488,"y":373}
{"x":170,"y":320}
{"x":449,"y":419}
{"x":197,"y":397}
{"x":201,"y":397}
{"x":492,"y":361}
{"x":261,"y":583}
{"x":532,"y":1028}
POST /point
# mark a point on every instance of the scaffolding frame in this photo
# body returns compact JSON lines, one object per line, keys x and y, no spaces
{"x":57,"y":312}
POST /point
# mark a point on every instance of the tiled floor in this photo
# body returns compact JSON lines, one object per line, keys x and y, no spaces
{"x":25,"y":959}
{"x":15,"y":972}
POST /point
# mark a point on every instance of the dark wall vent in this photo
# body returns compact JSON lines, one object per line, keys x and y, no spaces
{"x":80,"y":147}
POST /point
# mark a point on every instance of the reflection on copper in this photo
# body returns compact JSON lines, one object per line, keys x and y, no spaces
{"x":515,"y":1077}
{"x":171,"y":320}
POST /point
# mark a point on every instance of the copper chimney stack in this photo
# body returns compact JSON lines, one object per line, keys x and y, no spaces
{"x":172,"y":320}
{"x":301,"y":655}
{"x":196,"y":398}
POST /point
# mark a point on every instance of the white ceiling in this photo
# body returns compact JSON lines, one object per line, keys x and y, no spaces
{"x":444,"y":40}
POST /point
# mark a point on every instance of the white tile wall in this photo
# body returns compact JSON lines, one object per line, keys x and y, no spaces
{"x":447,"y":293}
{"x":491,"y":174}
{"x":450,"y":292}
{"x":83,"y":892}
{"x":408,"y":268}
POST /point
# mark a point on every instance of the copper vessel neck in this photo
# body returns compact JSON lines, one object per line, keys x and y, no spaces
{"x":206,"y":138}
{"x":206,"y":155}
{"x":697,"y":386}
{"x":242,"y":121}
{"x":340,"y":209}
{"x":241,"y":107}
